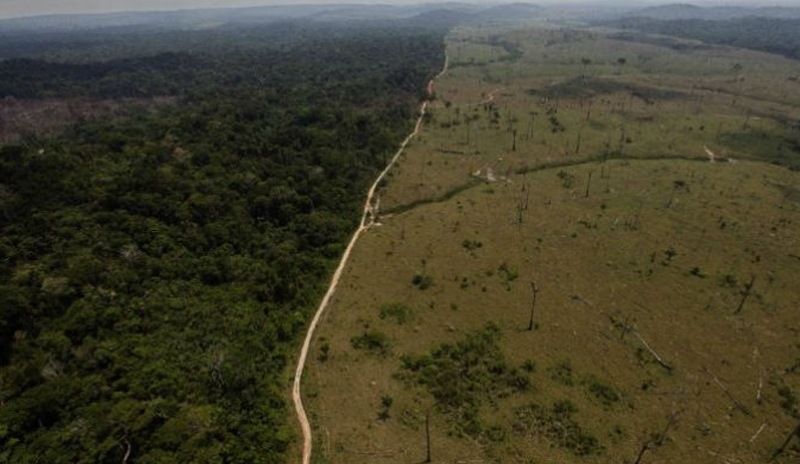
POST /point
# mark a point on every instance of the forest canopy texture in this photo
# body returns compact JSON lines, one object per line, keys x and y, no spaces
{"x":157,"y":266}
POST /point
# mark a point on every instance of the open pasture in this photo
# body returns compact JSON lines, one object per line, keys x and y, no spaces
{"x":590,"y":254}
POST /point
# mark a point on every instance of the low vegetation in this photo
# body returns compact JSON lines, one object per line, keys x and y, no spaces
{"x":555,"y":425}
{"x":462,"y":377}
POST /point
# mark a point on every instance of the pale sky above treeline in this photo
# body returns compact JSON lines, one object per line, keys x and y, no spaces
{"x":15,"y":8}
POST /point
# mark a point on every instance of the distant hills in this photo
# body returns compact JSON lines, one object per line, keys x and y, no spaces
{"x":205,"y":18}
{"x":688,"y":11}
{"x":437,"y":13}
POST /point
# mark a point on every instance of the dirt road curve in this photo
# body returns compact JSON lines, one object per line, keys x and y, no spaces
{"x":367,"y":218}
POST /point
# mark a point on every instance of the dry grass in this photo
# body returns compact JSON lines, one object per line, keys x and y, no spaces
{"x":659,"y":250}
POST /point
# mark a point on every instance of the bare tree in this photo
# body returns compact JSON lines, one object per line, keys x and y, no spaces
{"x":745,"y":294}
{"x":588,"y":184}
{"x":535,"y":290}
{"x":428,"y":436}
{"x":657,"y":439}
{"x":794,"y":433}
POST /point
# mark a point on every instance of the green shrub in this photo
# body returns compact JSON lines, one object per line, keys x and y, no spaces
{"x":464,"y":375}
{"x":422,"y":281}
{"x":606,"y":394}
{"x":562,"y":373}
{"x":557,"y":425}
{"x":373,"y":342}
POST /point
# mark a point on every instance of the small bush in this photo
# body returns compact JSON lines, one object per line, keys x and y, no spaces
{"x":567,"y":179}
{"x":324,"y":350}
{"x":604,"y":393}
{"x":373,"y":342}
{"x":562,"y":373}
{"x":557,"y":425}
{"x":508,"y":274}
{"x":471,"y":245}
{"x":422,"y":281}
{"x":386,"y":404}
{"x":788,"y":400}
{"x":400,"y":312}
{"x":529,"y":366}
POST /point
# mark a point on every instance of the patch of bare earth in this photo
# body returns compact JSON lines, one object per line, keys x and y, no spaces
{"x":40,"y":117}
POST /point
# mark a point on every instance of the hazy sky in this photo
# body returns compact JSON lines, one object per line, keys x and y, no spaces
{"x":11,"y":8}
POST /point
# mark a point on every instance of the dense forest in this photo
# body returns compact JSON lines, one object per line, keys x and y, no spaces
{"x":779,"y":36}
{"x":157,"y":268}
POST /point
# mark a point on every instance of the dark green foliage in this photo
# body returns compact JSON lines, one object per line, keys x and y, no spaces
{"x":463,"y":376}
{"x":508,"y":274}
{"x":373,"y":342}
{"x":604,"y":393}
{"x":557,"y":425}
{"x":324,"y":351}
{"x":768,"y":34}
{"x":788,"y":400}
{"x":697,"y":272}
{"x":471,"y":245}
{"x":157,"y":269}
{"x":781,"y":148}
{"x":529,"y":366}
{"x":133,"y":77}
{"x":567,"y":179}
{"x":422,"y":281}
{"x":495,"y":433}
{"x":386,"y":404}
{"x":590,"y":87}
{"x":514,"y":51}
{"x":562,"y":373}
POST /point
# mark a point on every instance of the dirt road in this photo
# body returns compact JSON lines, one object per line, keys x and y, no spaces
{"x":367,"y":218}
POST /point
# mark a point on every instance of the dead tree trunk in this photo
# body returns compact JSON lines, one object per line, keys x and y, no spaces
{"x":779,"y":451}
{"x":127,"y":450}
{"x":745,"y":294}
{"x":657,"y":439}
{"x":739,"y":404}
{"x":535,"y":290}
{"x":428,"y":436}
{"x":658,"y":359}
{"x":642,"y":450}
{"x":588,"y":184}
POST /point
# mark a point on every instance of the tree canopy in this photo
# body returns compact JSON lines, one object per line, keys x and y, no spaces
{"x":157,"y":269}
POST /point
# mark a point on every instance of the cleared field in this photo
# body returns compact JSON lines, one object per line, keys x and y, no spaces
{"x":577,"y":95}
{"x":623,"y":211}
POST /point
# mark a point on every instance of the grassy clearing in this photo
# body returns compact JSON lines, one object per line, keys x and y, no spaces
{"x":665,"y":285}
{"x":579,"y":95}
